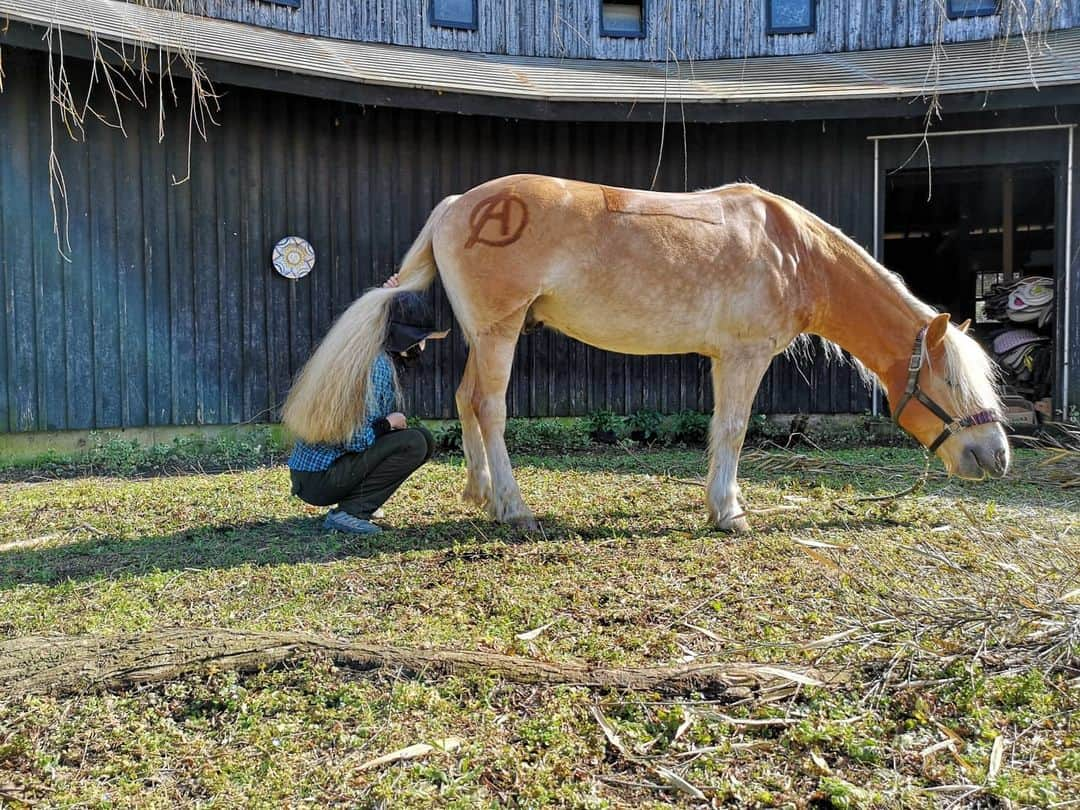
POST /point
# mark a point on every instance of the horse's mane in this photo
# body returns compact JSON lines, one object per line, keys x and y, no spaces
{"x":974,"y":379}
{"x":803,"y":348}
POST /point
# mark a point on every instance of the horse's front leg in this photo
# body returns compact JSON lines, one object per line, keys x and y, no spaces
{"x":736,"y":378}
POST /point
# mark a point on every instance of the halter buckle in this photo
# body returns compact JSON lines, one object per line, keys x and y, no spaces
{"x":947,"y":430}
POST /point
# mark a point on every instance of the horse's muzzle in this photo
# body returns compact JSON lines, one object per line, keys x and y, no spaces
{"x":984,"y":459}
{"x":995,"y":463}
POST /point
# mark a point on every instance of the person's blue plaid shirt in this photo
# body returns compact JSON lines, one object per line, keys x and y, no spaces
{"x":318,"y":457}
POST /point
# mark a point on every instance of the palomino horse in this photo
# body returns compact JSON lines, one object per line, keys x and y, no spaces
{"x":733,"y":273}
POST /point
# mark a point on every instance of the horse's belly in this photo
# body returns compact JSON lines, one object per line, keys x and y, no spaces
{"x":625,"y":332}
{"x":631,"y":344}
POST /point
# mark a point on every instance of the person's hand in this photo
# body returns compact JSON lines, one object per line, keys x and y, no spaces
{"x":397,"y":421}
{"x":392,"y":281}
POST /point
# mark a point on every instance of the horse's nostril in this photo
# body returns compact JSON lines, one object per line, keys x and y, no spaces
{"x":1001,"y":460}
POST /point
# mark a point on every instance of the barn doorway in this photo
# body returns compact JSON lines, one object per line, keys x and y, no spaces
{"x":980,"y":243}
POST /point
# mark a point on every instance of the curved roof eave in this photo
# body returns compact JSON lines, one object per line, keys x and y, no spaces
{"x":790,"y":86}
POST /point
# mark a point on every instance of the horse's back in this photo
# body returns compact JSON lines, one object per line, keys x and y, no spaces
{"x":628,"y":270}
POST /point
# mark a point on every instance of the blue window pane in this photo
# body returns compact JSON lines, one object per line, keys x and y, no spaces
{"x":790,"y":14}
{"x":972,"y":8}
{"x":621,"y":18}
{"x":454,"y":12}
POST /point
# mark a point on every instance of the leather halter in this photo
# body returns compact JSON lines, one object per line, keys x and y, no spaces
{"x":912,"y":391}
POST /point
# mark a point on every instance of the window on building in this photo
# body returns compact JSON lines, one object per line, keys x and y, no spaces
{"x":622,"y":19}
{"x":971,"y":8}
{"x":790,"y":16}
{"x":454,"y":13}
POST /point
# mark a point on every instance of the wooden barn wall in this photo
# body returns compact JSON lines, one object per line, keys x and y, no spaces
{"x":679,"y":29}
{"x":168,"y":311}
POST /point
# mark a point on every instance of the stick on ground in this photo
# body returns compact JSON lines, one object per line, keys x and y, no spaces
{"x":74,"y":664}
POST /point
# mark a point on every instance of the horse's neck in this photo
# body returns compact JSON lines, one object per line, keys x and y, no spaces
{"x":859,"y":308}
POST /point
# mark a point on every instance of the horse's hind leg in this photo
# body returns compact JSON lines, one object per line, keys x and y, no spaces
{"x":736,"y":378}
{"x":478,"y":483}
{"x":494,"y":354}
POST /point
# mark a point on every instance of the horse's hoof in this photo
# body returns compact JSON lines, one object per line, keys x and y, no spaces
{"x":525,"y":523}
{"x":737,"y":525}
{"x":476,"y":496}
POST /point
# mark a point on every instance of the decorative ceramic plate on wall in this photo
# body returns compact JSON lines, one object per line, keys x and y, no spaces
{"x":293,"y":257}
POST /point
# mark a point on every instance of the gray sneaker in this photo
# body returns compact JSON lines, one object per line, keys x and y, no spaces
{"x":344,"y":522}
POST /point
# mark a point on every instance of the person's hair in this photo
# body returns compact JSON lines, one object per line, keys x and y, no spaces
{"x":330,"y":396}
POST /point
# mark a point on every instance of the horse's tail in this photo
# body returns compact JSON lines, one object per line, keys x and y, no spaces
{"x":329,"y":398}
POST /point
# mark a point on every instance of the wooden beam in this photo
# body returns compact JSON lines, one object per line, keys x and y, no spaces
{"x":1008,"y":224}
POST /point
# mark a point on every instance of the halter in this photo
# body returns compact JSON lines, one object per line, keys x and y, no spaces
{"x":952,"y":424}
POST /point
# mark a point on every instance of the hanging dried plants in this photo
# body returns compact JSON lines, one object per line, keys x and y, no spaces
{"x":127,"y":74}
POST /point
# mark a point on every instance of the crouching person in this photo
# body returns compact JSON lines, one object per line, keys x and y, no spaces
{"x":358,"y":477}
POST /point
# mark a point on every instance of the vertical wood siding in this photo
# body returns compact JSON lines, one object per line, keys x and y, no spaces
{"x":170,"y":313}
{"x":675,"y":29}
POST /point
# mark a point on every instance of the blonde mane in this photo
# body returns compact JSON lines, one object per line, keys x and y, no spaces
{"x":804,"y":347}
{"x":974,"y":379}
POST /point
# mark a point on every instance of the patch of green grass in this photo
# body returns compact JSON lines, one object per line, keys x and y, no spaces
{"x":627,"y":571}
{"x":114,"y":455}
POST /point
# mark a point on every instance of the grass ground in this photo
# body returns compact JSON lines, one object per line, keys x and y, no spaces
{"x":953,"y":612}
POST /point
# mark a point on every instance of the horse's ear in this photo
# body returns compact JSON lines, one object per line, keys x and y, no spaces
{"x":965,"y":326}
{"x":935,"y":332}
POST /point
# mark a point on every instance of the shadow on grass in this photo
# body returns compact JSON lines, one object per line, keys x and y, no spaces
{"x":304,"y":540}
{"x":275,"y":542}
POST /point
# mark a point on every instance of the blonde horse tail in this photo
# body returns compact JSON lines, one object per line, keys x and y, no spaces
{"x":329,"y":397}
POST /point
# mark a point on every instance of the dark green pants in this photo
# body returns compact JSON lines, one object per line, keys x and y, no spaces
{"x":359,"y":483}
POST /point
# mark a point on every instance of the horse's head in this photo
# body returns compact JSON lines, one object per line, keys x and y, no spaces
{"x":946,"y":397}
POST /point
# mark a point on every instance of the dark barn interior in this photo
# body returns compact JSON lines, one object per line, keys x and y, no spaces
{"x":955,"y":233}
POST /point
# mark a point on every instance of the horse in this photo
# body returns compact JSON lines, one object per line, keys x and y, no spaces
{"x":734,"y":273}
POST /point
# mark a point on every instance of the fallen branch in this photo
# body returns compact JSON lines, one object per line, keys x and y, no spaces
{"x":74,"y":664}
